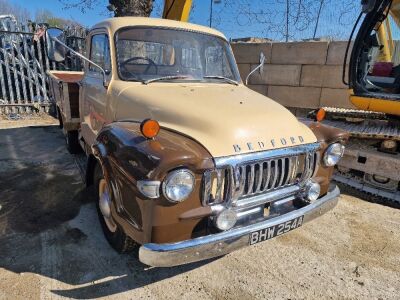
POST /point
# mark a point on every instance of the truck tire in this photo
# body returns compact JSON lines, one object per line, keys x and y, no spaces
{"x":71,"y":139}
{"x":113,"y":232}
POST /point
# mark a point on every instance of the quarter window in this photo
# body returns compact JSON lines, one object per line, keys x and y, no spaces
{"x":100,"y":53}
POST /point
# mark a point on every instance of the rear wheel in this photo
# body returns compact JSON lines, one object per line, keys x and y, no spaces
{"x":112,"y":231}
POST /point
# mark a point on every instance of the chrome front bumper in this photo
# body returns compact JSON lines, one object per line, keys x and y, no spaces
{"x":168,"y":255}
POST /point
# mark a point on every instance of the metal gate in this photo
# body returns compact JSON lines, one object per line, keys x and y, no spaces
{"x":23,"y":64}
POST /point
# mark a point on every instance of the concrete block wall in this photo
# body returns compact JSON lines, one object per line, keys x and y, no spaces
{"x":298,"y":74}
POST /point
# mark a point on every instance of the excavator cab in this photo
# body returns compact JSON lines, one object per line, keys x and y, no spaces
{"x":374,"y":70}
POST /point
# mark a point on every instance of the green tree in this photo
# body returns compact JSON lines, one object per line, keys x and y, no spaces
{"x":46,"y":16}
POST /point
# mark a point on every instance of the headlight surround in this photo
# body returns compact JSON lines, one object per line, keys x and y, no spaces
{"x":333,"y":154}
{"x":178,"y":185}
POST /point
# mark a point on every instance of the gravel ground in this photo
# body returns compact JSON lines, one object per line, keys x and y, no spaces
{"x":51,"y":244}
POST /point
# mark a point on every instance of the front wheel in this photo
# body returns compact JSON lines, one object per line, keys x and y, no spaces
{"x":114,"y":234}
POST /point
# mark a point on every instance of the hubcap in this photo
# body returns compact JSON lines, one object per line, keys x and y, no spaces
{"x":105,"y":205}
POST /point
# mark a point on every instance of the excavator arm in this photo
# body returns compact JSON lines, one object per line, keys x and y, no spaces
{"x":178,"y":10}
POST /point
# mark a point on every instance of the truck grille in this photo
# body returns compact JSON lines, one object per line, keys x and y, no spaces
{"x":245,"y":180}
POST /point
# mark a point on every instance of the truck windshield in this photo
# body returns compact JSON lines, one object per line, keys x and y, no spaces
{"x":148,"y":54}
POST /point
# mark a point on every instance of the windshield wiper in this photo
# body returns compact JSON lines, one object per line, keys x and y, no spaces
{"x":165,"y":78}
{"x":226,"y":79}
{"x":135,"y":78}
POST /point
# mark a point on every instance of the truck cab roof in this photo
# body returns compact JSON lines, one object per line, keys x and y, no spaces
{"x":114,"y":24}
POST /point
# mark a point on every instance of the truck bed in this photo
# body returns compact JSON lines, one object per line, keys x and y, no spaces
{"x":65,"y":92}
{"x":66,"y":76}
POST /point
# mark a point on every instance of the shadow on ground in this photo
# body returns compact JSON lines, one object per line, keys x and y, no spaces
{"x":49,"y":226}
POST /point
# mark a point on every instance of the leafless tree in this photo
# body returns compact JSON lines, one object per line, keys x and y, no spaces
{"x":291,"y":19}
{"x":20,"y":13}
{"x":120,"y":8}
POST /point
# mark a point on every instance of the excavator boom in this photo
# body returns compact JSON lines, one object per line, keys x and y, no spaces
{"x":178,"y":10}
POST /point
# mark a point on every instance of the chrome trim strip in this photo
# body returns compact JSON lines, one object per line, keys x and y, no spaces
{"x":260,"y":177}
{"x":282,"y":168}
{"x":214,"y":245}
{"x":268,"y":177}
{"x":290,"y":171}
{"x":251,"y":180}
{"x":245,"y":213}
{"x":206,"y":188}
{"x":295,"y":169}
{"x":268,"y":197}
{"x":264,"y":155}
{"x":142,"y":184}
{"x":242,"y":180}
{"x":275,"y":174}
{"x":219,"y":196}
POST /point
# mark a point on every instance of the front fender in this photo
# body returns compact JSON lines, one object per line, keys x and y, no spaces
{"x":326,"y":135}
{"x":126,"y":157}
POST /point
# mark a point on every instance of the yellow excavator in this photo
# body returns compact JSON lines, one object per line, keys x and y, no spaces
{"x":178,"y":10}
{"x":371,"y":162}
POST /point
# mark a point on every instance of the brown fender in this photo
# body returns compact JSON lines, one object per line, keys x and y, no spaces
{"x":126,"y":157}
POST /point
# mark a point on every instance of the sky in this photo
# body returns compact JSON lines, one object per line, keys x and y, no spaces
{"x":244,"y":18}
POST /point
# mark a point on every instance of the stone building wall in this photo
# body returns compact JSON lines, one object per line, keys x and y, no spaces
{"x":298,"y":74}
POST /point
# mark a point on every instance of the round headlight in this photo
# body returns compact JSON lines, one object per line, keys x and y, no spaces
{"x":226,"y":219}
{"x":333,"y":154}
{"x":312,"y":191}
{"x":178,"y":185}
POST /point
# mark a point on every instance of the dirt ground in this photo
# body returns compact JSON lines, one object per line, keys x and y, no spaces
{"x":51,"y":244}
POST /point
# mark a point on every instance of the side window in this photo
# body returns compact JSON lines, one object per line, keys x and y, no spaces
{"x":100,"y":52}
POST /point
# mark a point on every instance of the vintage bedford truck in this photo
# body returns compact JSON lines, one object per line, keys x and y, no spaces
{"x":188,"y":163}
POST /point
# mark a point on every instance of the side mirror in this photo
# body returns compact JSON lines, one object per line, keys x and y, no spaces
{"x":55,"y":51}
{"x":367,"y":5}
{"x":260,"y":67}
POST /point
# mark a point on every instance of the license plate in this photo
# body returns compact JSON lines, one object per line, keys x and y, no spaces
{"x":274,"y":231}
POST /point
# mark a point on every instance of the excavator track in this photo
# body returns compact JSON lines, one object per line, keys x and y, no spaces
{"x":362,"y":157}
{"x":334,"y":112}
{"x":362,"y":124}
{"x":358,"y":183}
{"x":368,"y":129}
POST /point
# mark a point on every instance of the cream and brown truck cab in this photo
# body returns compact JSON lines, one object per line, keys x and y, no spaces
{"x":188,"y":163}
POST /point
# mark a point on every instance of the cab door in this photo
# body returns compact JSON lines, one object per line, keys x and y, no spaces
{"x":94,"y":91}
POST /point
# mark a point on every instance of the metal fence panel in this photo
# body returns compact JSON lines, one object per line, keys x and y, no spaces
{"x":24,"y":62}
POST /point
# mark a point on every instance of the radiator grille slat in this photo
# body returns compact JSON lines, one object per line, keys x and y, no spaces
{"x":267,"y":175}
{"x":234,"y":183}
{"x":259,"y":177}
